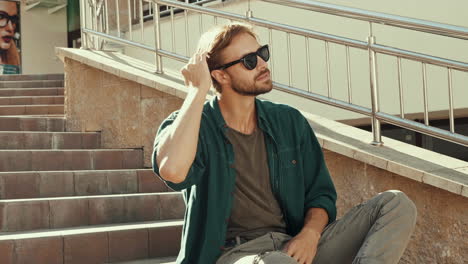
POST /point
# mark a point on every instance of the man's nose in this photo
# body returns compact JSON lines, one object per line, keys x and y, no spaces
{"x":261,"y":63}
{"x":10,"y":26}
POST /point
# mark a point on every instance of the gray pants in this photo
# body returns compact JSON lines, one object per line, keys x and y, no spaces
{"x":376,"y":231}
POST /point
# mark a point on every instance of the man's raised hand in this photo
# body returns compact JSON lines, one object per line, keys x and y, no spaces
{"x":196,"y":73}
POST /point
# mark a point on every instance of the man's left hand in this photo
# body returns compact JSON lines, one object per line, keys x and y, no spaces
{"x":303,"y":246}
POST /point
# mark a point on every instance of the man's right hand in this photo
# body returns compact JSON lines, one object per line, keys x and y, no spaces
{"x":196,"y":73}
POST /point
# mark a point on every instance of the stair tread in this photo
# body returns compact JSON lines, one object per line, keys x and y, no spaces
{"x":47,"y":132}
{"x":32,"y":96}
{"x":51,"y":116}
{"x":3,"y":201}
{"x":55,"y":150}
{"x":164,"y":260}
{"x":33,"y":77}
{"x":30,"y":88}
{"x":27,"y":81}
{"x":88,"y":229}
{"x":34,"y":115}
{"x":80,"y":171}
{"x":37,"y":105}
{"x":46,"y":116}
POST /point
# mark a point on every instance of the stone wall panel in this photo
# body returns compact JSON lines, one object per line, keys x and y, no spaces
{"x":439,"y":235}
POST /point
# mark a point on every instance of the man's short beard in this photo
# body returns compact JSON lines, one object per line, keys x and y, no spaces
{"x":5,"y":46}
{"x":242,"y":89}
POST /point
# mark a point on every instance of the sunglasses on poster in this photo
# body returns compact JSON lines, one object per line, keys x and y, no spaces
{"x":5,"y":18}
{"x":250,"y":60}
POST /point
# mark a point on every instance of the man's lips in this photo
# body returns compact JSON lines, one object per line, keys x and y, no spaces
{"x":7,"y":39}
{"x":263,"y":76}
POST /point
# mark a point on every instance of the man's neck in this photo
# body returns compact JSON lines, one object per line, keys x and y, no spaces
{"x":239,"y":112}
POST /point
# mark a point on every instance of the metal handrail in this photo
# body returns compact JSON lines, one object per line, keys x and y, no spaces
{"x":319,"y":35}
{"x":370,"y":45}
{"x":177,"y":10}
{"x":377,"y":17}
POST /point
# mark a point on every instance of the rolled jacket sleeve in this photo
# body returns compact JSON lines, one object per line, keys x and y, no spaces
{"x":319,"y":188}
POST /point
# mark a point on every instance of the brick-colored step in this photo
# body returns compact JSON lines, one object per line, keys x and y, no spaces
{"x":42,"y":184}
{"x":31,"y":77}
{"x":103,"y":244}
{"x":54,"y":160}
{"x":31,"y":91}
{"x":31,"y":123}
{"x":166,"y":260}
{"x":31,"y":84}
{"x":32,"y":100}
{"x":50,"y":213}
{"x":31,"y":109}
{"x":49,"y":140}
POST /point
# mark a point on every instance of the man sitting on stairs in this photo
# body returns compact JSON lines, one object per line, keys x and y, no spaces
{"x":253,"y":175}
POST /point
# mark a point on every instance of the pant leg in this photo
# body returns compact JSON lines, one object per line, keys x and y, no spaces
{"x":272,"y":257}
{"x":376,"y":231}
{"x":262,"y":250}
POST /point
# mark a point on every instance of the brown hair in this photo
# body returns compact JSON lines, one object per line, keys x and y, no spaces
{"x":217,"y":39}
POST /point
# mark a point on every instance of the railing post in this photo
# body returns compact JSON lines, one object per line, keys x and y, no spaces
{"x":83,"y":24}
{"x":376,"y":129}
{"x":157,"y":38}
{"x":100,"y":17}
{"x":248,"y":13}
{"x":95,"y":24}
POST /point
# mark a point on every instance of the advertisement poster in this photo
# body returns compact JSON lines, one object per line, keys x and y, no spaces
{"x":10,"y":44}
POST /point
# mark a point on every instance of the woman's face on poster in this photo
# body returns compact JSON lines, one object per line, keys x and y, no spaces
{"x":8,"y":21}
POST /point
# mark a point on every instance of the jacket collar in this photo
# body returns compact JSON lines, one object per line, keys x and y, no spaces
{"x":262,"y":119}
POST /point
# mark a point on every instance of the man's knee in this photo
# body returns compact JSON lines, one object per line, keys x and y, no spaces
{"x":276,"y":257}
{"x":404,"y":204}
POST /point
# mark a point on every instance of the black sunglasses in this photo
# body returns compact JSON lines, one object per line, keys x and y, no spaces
{"x":249,"y":60}
{"x":4,"y":18}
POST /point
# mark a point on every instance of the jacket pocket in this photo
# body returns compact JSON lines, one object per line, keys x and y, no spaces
{"x":289,"y":159}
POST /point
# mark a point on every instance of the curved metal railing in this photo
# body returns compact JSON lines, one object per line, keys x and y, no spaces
{"x":101,"y":33}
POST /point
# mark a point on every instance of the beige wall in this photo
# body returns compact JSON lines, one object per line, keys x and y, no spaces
{"x":128,"y":114}
{"x":452,"y":12}
{"x":40,"y":34}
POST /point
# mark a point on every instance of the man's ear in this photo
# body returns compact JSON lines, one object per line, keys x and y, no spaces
{"x":220,"y":76}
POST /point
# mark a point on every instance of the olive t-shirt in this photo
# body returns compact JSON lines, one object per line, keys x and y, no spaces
{"x":255,"y":210}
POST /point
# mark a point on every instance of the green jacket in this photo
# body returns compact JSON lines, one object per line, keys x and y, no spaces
{"x":299,"y":177}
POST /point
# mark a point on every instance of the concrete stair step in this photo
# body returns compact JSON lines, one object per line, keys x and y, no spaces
{"x":42,"y":184}
{"x":31,"y":109}
{"x":61,"y":212}
{"x":31,"y":84}
{"x":94,"y":244}
{"x":165,"y":260}
{"x":37,"y":116}
{"x":32,"y":123}
{"x":55,"y":160}
{"x":49,"y":140}
{"x":32,"y":100}
{"x":31,"y":91}
{"x":31,"y":77}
